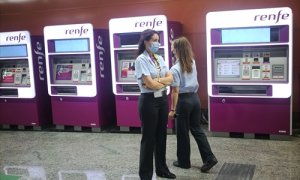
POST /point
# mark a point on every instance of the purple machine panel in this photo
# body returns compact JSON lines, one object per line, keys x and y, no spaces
{"x":250,"y":115}
{"x":127,"y":111}
{"x":35,"y":111}
{"x":95,"y":111}
{"x":127,"y":106}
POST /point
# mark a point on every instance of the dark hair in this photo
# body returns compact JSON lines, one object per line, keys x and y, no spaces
{"x":185,"y":53}
{"x":146,"y":35}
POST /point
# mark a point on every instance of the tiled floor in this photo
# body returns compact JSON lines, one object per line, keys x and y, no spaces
{"x":41,"y":155}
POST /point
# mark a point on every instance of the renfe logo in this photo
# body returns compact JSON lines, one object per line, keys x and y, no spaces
{"x":148,"y":24}
{"x":77,"y":31}
{"x":17,"y":38}
{"x":270,"y":17}
{"x":99,"y":46}
{"x":41,"y":57}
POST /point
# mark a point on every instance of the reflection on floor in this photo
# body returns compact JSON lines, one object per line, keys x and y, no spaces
{"x":114,"y":156}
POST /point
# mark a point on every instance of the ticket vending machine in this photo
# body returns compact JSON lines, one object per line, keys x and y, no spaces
{"x":79,"y":77}
{"x":250,"y":60}
{"x":124,"y":37}
{"x":23,"y":101}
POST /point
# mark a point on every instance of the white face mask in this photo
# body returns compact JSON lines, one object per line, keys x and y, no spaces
{"x":154,"y":47}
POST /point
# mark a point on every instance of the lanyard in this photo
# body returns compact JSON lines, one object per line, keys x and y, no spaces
{"x":154,"y":59}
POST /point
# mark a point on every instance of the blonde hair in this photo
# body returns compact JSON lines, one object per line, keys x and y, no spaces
{"x":185,"y":53}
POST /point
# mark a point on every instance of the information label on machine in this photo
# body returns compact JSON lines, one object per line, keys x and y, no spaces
{"x":277,"y":71}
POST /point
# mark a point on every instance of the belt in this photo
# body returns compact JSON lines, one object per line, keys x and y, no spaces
{"x":164,"y":93}
{"x":186,"y":94}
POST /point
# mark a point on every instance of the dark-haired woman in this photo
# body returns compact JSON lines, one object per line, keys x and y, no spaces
{"x":186,"y":105}
{"x":153,"y":76}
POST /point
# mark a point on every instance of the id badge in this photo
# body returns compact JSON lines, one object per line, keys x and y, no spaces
{"x":158,"y":93}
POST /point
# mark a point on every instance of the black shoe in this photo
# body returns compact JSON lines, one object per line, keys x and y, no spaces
{"x":175,"y":163}
{"x":208,"y":165}
{"x":168,"y":175}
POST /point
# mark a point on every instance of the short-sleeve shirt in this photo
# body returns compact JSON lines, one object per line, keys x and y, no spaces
{"x":187,"y":82}
{"x":145,"y":66}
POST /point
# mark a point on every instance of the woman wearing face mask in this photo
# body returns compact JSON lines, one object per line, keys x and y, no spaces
{"x":153,"y":76}
{"x":186,"y":105}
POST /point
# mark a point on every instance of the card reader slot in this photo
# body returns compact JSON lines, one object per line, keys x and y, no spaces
{"x":64,"y":90}
{"x":9,"y":92}
{"x":244,"y":90}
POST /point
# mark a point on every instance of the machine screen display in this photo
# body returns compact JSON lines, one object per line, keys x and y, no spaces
{"x":13,"y":51}
{"x":246,"y":35}
{"x":64,"y":72}
{"x":14,"y":73}
{"x":126,"y":70}
{"x":72,"y":45}
{"x":71,"y":69}
{"x":228,"y":68}
{"x":250,"y":64}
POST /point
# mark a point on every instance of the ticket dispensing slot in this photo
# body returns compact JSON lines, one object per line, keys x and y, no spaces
{"x":250,"y":90}
{"x":9,"y":92}
{"x":64,"y":90}
{"x":131,"y":88}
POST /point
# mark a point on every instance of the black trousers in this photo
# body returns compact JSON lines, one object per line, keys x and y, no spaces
{"x":154,"y":116}
{"x":188,"y":118}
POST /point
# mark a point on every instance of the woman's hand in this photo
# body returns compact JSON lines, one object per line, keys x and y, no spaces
{"x":144,"y":85}
{"x":167,"y":80}
{"x":171,"y":114}
{"x":174,"y":99}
